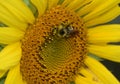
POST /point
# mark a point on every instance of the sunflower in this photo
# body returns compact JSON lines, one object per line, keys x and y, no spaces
{"x":52,"y":41}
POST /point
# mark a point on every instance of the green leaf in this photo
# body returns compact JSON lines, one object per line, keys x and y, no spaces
{"x":1,"y":47}
{"x":72,"y":82}
{"x":60,"y":1}
{"x":2,"y":80}
{"x":95,"y":57}
{"x":32,"y":7}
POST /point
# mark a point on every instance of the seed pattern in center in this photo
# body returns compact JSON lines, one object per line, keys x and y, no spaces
{"x":54,"y":48}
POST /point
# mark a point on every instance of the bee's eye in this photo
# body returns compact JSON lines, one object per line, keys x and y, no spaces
{"x":62,"y":32}
{"x":65,"y":31}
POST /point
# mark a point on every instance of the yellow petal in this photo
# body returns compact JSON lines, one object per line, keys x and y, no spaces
{"x":41,"y":5}
{"x":66,"y":2}
{"x":18,"y":9}
{"x":83,"y":4}
{"x":75,"y":4}
{"x":101,"y":72}
{"x":15,"y":13}
{"x":10,"y":35}
{"x":91,"y":4}
{"x":83,"y":80}
{"x":110,"y":52}
{"x":2,"y":73}
{"x":10,"y":56}
{"x":14,"y":76}
{"x":87,"y":73}
{"x":104,"y":34}
{"x":10,"y":20}
{"x":104,"y":18}
{"x":86,"y":76}
{"x":107,"y":5}
{"x":52,"y":3}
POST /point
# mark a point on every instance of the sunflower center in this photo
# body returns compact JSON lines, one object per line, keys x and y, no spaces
{"x":53,"y":48}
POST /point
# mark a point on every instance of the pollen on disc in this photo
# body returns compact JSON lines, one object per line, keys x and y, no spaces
{"x":50,"y":59}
